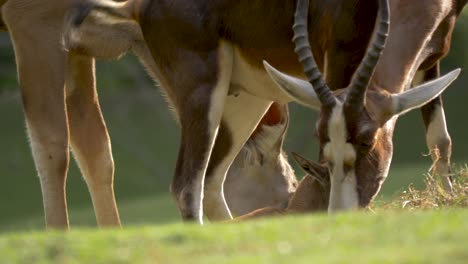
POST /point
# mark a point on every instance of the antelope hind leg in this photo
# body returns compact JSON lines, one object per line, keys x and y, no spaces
{"x":41,"y":64}
{"x":438,"y":138}
{"x":89,"y":138}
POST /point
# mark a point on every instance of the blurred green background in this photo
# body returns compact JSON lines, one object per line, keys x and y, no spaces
{"x":145,"y":141}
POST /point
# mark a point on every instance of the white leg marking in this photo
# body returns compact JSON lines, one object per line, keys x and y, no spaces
{"x":437,"y":137}
{"x":214,"y":118}
{"x":241,"y":115}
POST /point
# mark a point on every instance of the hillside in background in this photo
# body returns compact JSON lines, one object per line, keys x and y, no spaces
{"x":145,"y":137}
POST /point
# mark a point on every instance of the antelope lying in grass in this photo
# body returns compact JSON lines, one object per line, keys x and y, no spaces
{"x":355,"y":128}
{"x":260,"y":175}
{"x":62,"y":109}
{"x":208,"y":57}
{"x":311,"y":195}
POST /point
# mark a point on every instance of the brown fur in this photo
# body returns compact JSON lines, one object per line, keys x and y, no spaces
{"x":61,"y":108}
{"x":309,"y":197}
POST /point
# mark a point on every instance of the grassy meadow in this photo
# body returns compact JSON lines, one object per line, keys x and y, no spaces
{"x":422,"y":237}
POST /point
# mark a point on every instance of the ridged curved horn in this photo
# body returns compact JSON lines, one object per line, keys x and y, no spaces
{"x":303,"y":50}
{"x":364,"y":72}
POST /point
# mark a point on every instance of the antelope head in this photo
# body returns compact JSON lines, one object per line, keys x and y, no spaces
{"x":260,"y":176}
{"x":356,"y":123}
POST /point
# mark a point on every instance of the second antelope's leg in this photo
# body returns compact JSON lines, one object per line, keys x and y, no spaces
{"x":41,"y":69}
{"x":437,"y":136}
{"x":89,"y":138}
{"x":240,"y":116}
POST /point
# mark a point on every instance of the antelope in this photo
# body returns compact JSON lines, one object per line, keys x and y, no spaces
{"x":311,"y":194}
{"x":208,"y":57}
{"x":421,"y":53}
{"x":260,"y":176}
{"x":62,"y":109}
{"x":361,"y":124}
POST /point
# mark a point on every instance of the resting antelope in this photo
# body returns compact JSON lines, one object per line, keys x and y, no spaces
{"x":311,"y":195}
{"x":208,"y":57}
{"x":62,"y":108}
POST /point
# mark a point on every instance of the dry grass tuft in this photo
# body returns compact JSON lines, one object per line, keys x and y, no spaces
{"x":433,"y":196}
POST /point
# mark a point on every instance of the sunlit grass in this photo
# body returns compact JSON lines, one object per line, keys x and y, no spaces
{"x":392,"y":237}
{"x":432,"y":196}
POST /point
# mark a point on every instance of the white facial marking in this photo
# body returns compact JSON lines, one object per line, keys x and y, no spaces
{"x":343,"y":193}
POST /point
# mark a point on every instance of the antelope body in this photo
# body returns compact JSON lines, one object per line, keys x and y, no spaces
{"x":62,"y":109}
{"x":221,"y":45}
{"x":208,"y":57}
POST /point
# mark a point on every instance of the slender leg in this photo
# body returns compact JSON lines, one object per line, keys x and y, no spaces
{"x":240,"y":117}
{"x":89,"y":138}
{"x":41,"y":69}
{"x":202,"y":85}
{"x":437,"y":136}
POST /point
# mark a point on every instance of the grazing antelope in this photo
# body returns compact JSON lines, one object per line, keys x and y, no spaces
{"x":356,"y":125}
{"x":61,"y":107}
{"x":208,"y":57}
{"x":422,"y":52}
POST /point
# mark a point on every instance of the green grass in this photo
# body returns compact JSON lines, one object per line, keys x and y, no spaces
{"x":391,"y":237}
{"x":156,"y":208}
{"x":151,"y":210}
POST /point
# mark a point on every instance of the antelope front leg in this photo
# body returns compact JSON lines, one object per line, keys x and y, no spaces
{"x":41,"y":69}
{"x":437,"y":136}
{"x":197,"y":84}
{"x":240,"y":117}
{"x":89,"y":138}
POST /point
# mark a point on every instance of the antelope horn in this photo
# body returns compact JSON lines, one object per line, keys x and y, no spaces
{"x":361,"y":78}
{"x":303,"y":50}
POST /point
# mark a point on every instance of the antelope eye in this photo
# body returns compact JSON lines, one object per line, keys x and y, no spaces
{"x":365,"y":144}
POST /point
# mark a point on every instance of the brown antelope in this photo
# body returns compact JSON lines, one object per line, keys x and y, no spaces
{"x":260,"y":175}
{"x":58,"y":117}
{"x":311,"y":195}
{"x":208,"y":57}
{"x":421,"y":52}
{"x":61,"y":108}
{"x":364,"y":120}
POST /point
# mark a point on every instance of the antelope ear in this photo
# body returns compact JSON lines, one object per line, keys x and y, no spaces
{"x":297,"y":89}
{"x":422,"y":94}
{"x":312,"y":168}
